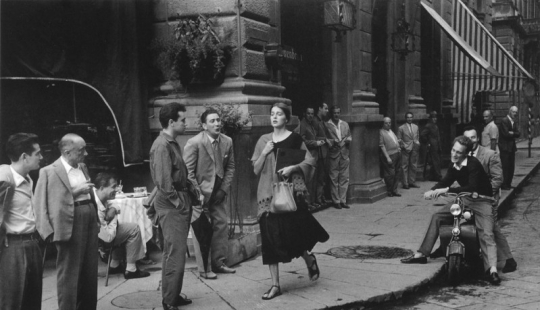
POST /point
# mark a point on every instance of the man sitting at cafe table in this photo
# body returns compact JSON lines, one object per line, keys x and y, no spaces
{"x":112,"y":231}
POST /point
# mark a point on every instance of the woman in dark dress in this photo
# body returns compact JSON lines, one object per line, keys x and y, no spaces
{"x":285,"y":236}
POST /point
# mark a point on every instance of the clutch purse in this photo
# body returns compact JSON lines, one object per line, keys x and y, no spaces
{"x":283,"y":199}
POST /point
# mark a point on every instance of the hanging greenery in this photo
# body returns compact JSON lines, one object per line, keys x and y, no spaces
{"x":194,"y":53}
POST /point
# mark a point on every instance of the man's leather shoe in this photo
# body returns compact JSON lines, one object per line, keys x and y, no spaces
{"x":494,"y":279}
{"x":344,"y":206}
{"x":437,"y":253}
{"x":413,"y":260}
{"x":405,"y":187}
{"x":510,"y":266}
{"x":116,"y":270}
{"x":224,"y":269}
{"x":414,"y":186}
{"x":396,"y":194}
{"x":136,"y":274}
{"x":181,"y":301}
{"x":336,"y":205}
{"x":208,"y":275}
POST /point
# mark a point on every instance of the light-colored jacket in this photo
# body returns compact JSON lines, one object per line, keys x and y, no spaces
{"x":53,"y":202}
{"x":387,"y":142}
{"x":7,"y":188}
{"x":199,"y":159}
{"x":338,"y":147}
{"x":407,"y":137}
{"x":491,"y":162}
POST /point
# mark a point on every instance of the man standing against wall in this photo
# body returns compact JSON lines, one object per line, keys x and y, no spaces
{"x":390,"y":157}
{"x":507,"y":145}
{"x":339,"y":138}
{"x":209,"y":158}
{"x":323,"y":179}
{"x":314,"y":137}
{"x":490,"y":134}
{"x":409,"y":135}
{"x":66,"y":213}
{"x":21,"y":269}
{"x":172,"y":202}
{"x":430,"y":136}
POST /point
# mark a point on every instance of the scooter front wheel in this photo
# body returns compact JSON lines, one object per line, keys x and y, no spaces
{"x":454,"y":269}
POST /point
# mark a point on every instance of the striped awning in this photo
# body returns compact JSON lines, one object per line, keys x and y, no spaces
{"x":475,"y":47}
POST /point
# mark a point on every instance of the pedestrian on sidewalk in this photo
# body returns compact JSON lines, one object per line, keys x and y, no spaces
{"x":209,"y":158}
{"x":313,"y":134}
{"x":390,"y":157}
{"x":339,"y":139}
{"x":66,"y":214}
{"x":490,"y":134}
{"x":471,"y":177}
{"x":507,"y":144}
{"x":172,"y":202}
{"x":290,"y":235}
{"x":430,"y":136}
{"x":21,"y":268}
{"x":410,"y":144}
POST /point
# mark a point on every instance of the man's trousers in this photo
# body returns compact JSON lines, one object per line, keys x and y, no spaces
{"x":21,"y":273}
{"x":435,"y":172}
{"x":129,"y":233}
{"x":409,"y":160}
{"x":174,"y":224}
{"x":338,"y":171}
{"x":77,"y":262}
{"x":391,"y":171}
{"x":508,"y":161}
{"x":484,"y":227}
{"x":316,"y":185}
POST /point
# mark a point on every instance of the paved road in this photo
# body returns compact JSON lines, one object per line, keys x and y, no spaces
{"x":519,"y":290}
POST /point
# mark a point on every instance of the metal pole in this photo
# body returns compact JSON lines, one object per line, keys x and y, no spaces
{"x":530,"y":129}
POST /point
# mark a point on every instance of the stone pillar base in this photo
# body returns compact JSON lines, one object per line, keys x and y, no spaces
{"x":367,"y":192}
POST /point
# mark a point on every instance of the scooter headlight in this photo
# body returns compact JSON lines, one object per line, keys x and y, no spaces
{"x":467,"y":215}
{"x":455,"y":209}
{"x":455,"y":231}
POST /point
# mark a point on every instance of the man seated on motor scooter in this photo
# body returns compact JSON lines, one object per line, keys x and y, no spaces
{"x":471,"y":177}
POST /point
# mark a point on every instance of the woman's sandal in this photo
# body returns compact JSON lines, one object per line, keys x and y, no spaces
{"x":314,"y":272}
{"x":268,"y":297}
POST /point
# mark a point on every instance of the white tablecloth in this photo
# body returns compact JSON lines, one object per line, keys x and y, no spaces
{"x":133,"y":211}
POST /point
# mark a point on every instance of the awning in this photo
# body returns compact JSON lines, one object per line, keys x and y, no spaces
{"x":479,"y":61}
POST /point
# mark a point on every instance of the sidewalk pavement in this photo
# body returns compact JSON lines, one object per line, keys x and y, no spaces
{"x":344,"y":282}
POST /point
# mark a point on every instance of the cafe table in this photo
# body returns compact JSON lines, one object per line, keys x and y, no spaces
{"x":132,"y":211}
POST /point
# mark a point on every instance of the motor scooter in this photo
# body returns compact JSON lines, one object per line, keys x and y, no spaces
{"x":461,"y":238}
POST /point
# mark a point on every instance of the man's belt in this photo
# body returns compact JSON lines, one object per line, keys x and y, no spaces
{"x":82,"y":203}
{"x":23,"y":237}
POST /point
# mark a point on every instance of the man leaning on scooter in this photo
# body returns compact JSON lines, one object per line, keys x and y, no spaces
{"x":471,"y":177}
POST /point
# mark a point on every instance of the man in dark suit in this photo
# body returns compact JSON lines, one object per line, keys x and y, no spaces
{"x":21,"y":269}
{"x":471,"y":177}
{"x":430,"y":137}
{"x":66,"y":214}
{"x":314,"y":137}
{"x":410,"y":143}
{"x":209,"y":158}
{"x":507,"y":145}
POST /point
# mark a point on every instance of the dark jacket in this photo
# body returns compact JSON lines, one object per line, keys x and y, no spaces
{"x":471,"y":178}
{"x":430,"y":135}
{"x":507,"y":142}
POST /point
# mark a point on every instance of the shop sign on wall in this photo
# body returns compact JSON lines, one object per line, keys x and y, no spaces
{"x":290,"y":63}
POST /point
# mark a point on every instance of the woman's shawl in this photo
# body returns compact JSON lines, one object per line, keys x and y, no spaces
{"x":268,"y":175}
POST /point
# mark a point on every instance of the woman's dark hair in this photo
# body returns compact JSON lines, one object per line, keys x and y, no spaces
{"x":20,"y":143}
{"x":170,"y":111}
{"x":464,"y":141}
{"x":284,"y":107}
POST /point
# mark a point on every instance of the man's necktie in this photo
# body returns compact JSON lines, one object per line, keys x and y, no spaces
{"x":217,"y":158}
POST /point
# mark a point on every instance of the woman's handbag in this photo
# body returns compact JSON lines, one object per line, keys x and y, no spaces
{"x":283,"y":199}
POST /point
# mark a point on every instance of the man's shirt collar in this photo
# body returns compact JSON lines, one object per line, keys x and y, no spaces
{"x":66,"y":165}
{"x":212,"y":139}
{"x":17,"y":177}
{"x":339,"y":123}
{"x":463,"y":164}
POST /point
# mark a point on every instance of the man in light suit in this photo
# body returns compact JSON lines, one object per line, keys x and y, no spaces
{"x":209,"y":158}
{"x":410,"y":143}
{"x":339,"y":139}
{"x":390,"y":157}
{"x":313,"y":134}
{"x":21,"y":269}
{"x":66,"y":214}
{"x":507,"y":145}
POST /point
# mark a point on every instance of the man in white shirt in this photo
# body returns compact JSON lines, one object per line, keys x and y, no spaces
{"x":118,"y":233}
{"x":490,"y":135}
{"x":21,"y":268}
